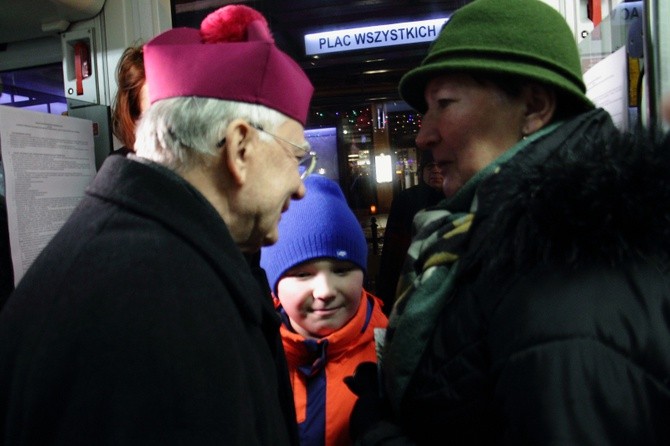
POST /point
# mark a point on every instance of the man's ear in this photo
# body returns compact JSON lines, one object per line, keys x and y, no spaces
{"x":540,"y":107}
{"x":237,"y":149}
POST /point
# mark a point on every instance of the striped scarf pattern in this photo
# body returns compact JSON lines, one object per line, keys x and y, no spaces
{"x":427,"y":280}
{"x":423,"y":296}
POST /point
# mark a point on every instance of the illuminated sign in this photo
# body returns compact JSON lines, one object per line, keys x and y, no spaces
{"x":373,"y":36}
{"x":383,"y":168}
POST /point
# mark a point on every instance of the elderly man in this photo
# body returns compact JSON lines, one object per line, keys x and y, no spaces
{"x":141,"y":322}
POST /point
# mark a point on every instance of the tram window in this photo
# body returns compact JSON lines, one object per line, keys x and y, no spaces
{"x":323,"y":141}
{"x":35,"y":88}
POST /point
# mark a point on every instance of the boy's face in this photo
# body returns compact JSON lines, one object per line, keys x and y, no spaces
{"x":321,"y":296}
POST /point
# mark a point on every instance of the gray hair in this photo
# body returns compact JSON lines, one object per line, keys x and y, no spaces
{"x":184,"y":132}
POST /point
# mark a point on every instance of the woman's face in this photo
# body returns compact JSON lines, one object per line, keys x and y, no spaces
{"x":145,"y":102}
{"x":468,"y":124}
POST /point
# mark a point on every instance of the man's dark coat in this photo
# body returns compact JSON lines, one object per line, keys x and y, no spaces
{"x":142,"y":323}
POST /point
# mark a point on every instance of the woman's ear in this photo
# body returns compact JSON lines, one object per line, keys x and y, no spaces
{"x":237,"y":149}
{"x":540,"y":107}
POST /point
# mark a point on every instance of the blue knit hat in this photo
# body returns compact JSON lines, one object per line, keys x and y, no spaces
{"x":321,"y":225}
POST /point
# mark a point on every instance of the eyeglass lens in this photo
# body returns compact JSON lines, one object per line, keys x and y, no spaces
{"x":307,"y":162}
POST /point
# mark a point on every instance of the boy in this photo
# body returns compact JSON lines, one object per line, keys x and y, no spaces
{"x":316,"y":272}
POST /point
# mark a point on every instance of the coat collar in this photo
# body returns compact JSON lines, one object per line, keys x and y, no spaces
{"x":156,"y":192}
{"x":583,"y":194}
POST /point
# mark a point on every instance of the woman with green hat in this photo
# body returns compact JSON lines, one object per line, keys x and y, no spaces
{"x":535,"y":303}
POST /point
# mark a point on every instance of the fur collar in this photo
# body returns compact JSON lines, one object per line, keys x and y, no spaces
{"x":585,"y":194}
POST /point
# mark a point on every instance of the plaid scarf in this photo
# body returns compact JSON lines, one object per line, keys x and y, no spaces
{"x":427,"y":280}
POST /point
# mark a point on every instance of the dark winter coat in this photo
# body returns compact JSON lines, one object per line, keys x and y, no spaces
{"x":398,"y":236}
{"x":141,"y":323}
{"x":558,"y":328}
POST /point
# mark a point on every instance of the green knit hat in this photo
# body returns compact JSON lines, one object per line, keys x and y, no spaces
{"x":517,"y":37}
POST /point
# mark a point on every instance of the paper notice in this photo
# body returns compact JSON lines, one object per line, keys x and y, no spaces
{"x":607,"y":86}
{"x":48,"y":161}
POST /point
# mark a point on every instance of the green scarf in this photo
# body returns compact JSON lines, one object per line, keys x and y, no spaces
{"x":427,"y":279}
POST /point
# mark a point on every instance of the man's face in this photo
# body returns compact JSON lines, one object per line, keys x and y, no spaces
{"x":272,"y":182}
{"x":432,"y":175}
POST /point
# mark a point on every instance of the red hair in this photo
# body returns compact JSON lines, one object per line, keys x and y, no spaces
{"x":126,"y":111}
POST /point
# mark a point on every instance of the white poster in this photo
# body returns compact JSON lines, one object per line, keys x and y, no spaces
{"x":48,"y":161}
{"x":607,"y":86}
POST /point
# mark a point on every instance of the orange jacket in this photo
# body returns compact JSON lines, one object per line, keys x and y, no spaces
{"x":317,"y":369}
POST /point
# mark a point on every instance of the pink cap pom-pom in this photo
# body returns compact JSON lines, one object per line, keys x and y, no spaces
{"x":230,"y":23}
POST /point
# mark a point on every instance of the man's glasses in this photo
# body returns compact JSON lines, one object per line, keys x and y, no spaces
{"x":306,"y":162}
